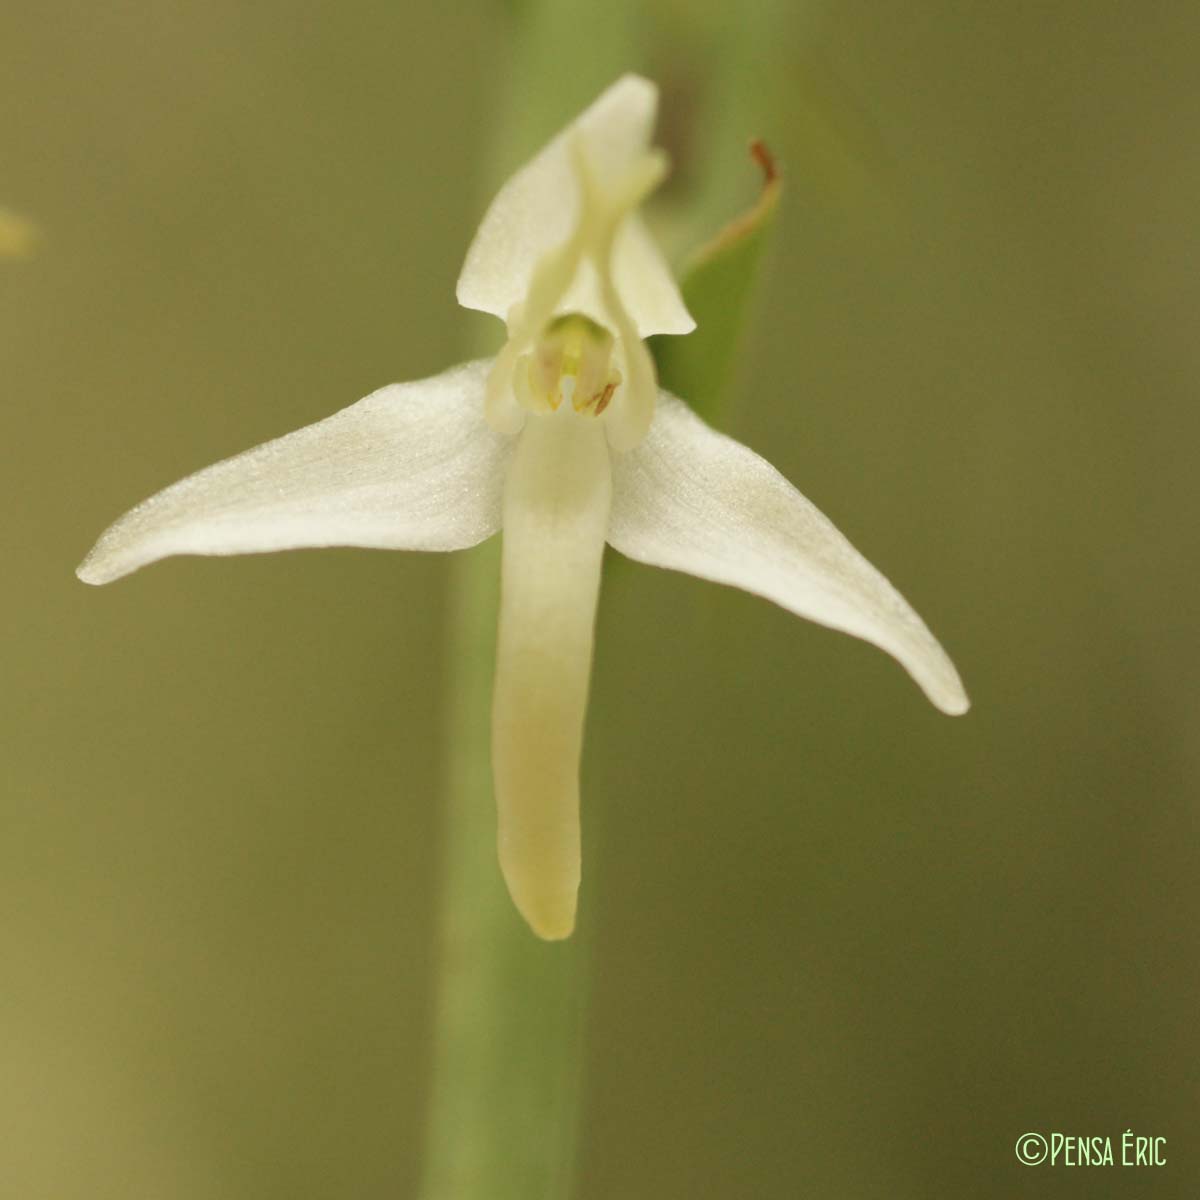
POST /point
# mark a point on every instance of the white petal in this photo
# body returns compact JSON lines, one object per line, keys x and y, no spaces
{"x":413,"y":466}
{"x":693,"y":500}
{"x":646,"y":283}
{"x":537,"y":209}
{"x":556,"y":505}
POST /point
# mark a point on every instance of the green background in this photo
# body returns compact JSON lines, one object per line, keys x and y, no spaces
{"x":844,"y":946}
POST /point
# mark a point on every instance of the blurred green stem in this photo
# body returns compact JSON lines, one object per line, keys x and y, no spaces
{"x":506,"y":1064}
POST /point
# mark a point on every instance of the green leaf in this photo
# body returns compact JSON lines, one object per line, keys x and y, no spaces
{"x":718,"y":286}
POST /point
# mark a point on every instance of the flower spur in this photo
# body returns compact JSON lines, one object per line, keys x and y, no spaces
{"x":565,"y":443}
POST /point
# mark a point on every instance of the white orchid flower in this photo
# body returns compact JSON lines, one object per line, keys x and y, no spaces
{"x":564,"y":442}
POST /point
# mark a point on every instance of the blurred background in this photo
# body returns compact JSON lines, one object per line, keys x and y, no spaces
{"x":844,"y":946}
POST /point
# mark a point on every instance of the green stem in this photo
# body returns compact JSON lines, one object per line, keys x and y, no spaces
{"x":504,"y":1112}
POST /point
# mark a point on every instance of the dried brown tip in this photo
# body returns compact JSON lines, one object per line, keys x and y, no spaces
{"x":765,"y":159}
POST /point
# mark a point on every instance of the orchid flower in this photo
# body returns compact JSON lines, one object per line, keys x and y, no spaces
{"x":564,"y":442}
